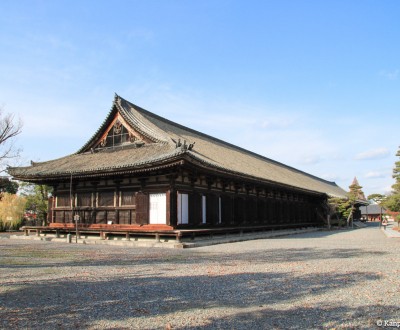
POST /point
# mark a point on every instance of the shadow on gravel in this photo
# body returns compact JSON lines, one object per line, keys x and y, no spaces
{"x":53,"y":259}
{"x":38,"y":255}
{"x":80,"y":302}
{"x":327,"y":317}
{"x":330,"y":232}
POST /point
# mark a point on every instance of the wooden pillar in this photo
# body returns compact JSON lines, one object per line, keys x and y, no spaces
{"x":255,"y":203}
{"x":51,"y":213}
{"x":172,"y":201}
{"x":117,"y":198}
{"x":195,"y":208}
{"x":246,"y":207}
{"x":267,"y":208}
{"x":172,"y":215}
{"x":50,"y":209}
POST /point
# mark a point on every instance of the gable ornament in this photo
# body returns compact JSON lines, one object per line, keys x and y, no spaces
{"x":184,"y":146}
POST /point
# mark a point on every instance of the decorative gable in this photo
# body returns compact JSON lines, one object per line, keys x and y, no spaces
{"x":119,"y":133}
{"x":124,"y":126}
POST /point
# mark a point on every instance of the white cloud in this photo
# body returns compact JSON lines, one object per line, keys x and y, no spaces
{"x":330,"y":177}
{"x":375,"y":174}
{"x":385,"y":189}
{"x":311,"y":160}
{"x":378,"y":153}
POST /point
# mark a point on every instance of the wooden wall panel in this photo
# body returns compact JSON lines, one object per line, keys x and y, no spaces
{"x":142,"y":208}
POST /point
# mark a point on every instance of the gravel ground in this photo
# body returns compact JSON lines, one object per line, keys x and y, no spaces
{"x":337,"y":279}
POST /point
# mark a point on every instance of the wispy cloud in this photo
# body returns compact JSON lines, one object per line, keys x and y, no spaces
{"x":391,"y":75}
{"x":311,"y":160}
{"x":379,"y":153}
{"x":333,"y":177}
{"x":375,"y":175}
{"x":278,"y":122}
{"x":141,"y":34}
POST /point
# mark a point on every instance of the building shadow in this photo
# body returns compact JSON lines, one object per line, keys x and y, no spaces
{"x":67,"y":302}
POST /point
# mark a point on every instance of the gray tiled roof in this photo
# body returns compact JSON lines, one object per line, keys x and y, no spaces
{"x":372,"y":209}
{"x":209,"y":151}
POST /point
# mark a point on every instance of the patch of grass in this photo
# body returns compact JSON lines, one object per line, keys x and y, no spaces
{"x":14,"y":262}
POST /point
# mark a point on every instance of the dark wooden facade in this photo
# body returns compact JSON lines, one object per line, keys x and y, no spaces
{"x":210,"y":202}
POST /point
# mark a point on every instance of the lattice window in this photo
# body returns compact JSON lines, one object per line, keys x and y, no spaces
{"x":101,"y":217}
{"x":68,"y":216}
{"x":111,"y":216}
{"x":128,"y":198}
{"x":63,"y":200}
{"x":124,"y":217}
{"x":84,"y":199}
{"x":59,"y":216}
{"x":106,"y":198}
{"x":117,"y":135}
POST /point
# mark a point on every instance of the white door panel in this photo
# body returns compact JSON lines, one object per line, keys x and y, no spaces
{"x":183,"y":209}
{"x":158,"y":209}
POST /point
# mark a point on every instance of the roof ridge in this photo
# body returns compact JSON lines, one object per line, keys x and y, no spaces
{"x":136,"y":123}
{"x":102,"y":126}
{"x":149,"y":113}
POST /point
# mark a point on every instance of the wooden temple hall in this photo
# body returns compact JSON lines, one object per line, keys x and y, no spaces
{"x":141,"y":173}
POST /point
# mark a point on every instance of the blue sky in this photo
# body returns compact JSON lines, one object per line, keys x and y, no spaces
{"x":312,"y":84}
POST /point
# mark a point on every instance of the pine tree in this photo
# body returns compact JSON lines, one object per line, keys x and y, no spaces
{"x":393,"y":201}
{"x":345,"y":207}
{"x":396,"y":174}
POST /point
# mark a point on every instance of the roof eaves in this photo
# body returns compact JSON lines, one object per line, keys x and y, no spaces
{"x":251,"y":177}
{"x":171,"y":156}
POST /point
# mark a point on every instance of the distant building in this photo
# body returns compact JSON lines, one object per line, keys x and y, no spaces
{"x":372,"y":212}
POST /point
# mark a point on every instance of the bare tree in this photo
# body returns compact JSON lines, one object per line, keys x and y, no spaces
{"x":9,"y":129}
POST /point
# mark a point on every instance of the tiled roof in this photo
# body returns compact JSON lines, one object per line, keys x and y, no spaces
{"x":208,"y":150}
{"x":105,"y":161}
{"x":372,"y":209}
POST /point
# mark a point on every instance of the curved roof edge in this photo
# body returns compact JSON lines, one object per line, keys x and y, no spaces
{"x":252,"y":153}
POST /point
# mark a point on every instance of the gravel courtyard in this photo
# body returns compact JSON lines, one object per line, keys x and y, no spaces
{"x":336,"y":279}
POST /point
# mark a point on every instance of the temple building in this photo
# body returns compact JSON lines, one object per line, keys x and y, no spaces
{"x":140,"y":171}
